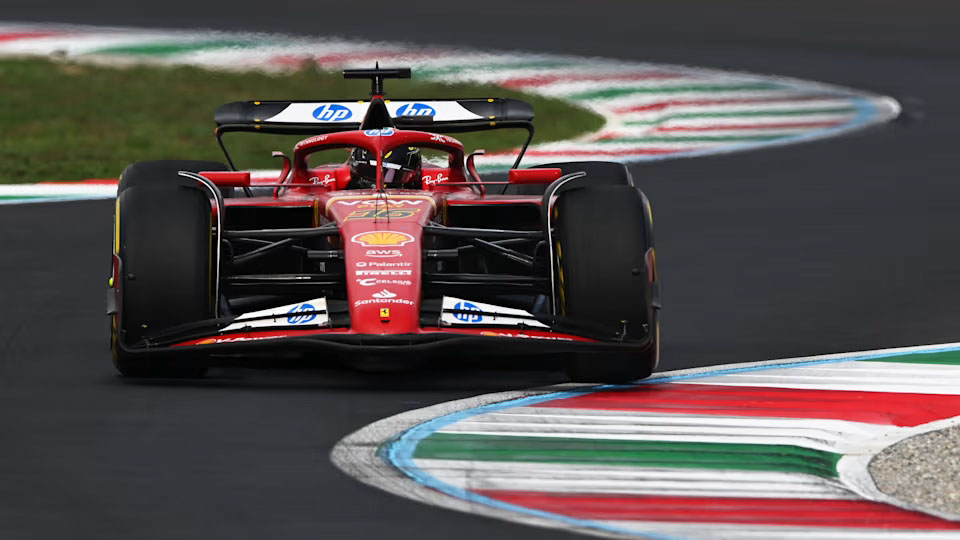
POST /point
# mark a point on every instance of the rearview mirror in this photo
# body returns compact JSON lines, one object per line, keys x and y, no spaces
{"x":534,"y":176}
{"x":239,"y":179}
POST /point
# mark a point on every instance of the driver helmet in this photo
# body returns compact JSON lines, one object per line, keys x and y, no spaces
{"x":402,"y":168}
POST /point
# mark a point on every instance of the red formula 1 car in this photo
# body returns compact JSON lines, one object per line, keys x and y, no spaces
{"x":401,"y":252}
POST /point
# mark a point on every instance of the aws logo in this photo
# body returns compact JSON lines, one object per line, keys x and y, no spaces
{"x":331,"y":112}
{"x":384,"y":253}
{"x":416,"y":109}
{"x":382,"y":213}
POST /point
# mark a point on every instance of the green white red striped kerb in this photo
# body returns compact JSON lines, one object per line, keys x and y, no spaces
{"x":768,"y":450}
{"x":652,"y":111}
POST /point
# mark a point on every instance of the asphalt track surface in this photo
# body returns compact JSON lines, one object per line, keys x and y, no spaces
{"x":838,"y":245}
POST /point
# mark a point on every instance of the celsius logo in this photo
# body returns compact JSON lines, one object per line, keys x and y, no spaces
{"x":331,"y":112}
{"x":296,"y":317}
{"x":467,"y":317}
{"x":416,"y":109}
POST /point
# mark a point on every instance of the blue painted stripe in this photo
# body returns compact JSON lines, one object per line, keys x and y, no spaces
{"x":398,"y":452}
{"x":866,"y":114}
{"x":56,"y":198}
{"x":852,"y":357}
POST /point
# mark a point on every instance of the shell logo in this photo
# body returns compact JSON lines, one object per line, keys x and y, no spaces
{"x":207,"y":341}
{"x":382,"y":238}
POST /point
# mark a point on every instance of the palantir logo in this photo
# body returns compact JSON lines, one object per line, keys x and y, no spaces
{"x":331,"y":112}
{"x":467,"y":317}
{"x":296,"y":314}
{"x":416,"y":109}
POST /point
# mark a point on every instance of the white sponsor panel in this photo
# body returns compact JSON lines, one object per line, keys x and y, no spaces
{"x":309,"y":313}
{"x":309,"y":113}
{"x":479,"y":313}
{"x":351,"y":111}
{"x":441,"y":111}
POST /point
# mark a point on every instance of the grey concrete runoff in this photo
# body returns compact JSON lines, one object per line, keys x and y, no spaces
{"x":922,"y":471}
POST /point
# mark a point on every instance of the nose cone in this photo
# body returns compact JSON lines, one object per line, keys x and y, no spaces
{"x":382,"y":254}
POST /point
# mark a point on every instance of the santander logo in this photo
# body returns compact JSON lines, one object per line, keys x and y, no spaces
{"x":384,"y":294}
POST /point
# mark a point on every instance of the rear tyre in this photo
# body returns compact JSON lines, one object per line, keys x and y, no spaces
{"x":603,"y":248}
{"x":164,"y":229}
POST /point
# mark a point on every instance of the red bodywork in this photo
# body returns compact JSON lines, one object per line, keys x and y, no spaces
{"x":381,"y":231}
{"x":458,"y":265}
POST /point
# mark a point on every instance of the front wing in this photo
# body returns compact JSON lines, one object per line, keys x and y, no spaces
{"x":428,"y":342}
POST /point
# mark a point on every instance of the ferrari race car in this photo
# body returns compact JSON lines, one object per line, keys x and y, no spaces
{"x":401,"y":252}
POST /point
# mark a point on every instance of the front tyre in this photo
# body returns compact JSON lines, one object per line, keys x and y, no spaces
{"x":606,"y":274}
{"x":165,"y":245}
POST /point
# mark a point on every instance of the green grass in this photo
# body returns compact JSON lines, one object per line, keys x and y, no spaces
{"x":70,"y":121}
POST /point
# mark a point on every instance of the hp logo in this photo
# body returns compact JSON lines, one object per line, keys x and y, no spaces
{"x":467,"y":317}
{"x":331,"y":112}
{"x":416,"y":109}
{"x":385,"y":132}
{"x":296,"y":317}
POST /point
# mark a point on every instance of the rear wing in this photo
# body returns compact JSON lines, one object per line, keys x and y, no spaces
{"x":319,"y":117}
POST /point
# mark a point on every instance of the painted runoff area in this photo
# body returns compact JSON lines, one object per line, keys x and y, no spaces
{"x":652,"y":111}
{"x":774,"y":449}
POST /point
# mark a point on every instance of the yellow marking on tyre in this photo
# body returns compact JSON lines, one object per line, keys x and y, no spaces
{"x":212,"y":302}
{"x":116,"y":226}
{"x":652,"y":263}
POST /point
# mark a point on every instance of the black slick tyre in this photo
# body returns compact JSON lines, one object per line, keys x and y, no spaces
{"x":165,"y":245}
{"x":605,"y":274}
